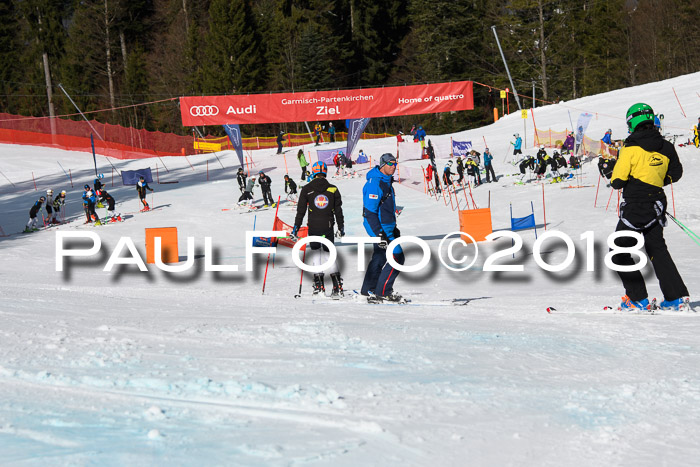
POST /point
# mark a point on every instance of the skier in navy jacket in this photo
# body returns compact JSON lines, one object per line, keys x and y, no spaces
{"x":379,"y":212}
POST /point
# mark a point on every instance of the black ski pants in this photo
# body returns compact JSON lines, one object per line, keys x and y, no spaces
{"x":670,"y":280}
{"x":267,"y":196}
{"x":489,"y":170}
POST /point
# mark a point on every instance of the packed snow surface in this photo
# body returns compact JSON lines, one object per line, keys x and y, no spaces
{"x":202,"y":368}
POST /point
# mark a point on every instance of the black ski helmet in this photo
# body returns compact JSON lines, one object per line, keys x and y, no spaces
{"x":87,"y":187}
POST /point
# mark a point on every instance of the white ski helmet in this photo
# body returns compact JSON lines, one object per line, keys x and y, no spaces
{"x":63,"y":193}
{"x":49,"y":192}
{"x":517,"y":135}
{"x":541,"y":146}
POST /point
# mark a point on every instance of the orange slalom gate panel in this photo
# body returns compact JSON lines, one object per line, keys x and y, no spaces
{"x":475,"y":222}
{"x":168,"y":244}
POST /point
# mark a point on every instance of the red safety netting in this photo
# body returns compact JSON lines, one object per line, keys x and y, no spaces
{"x":119,"y":142}
{"x":129,"y":143}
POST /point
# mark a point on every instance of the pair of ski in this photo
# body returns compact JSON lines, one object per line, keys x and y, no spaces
{"x":356,"y":297}
{"x":654,"y":309}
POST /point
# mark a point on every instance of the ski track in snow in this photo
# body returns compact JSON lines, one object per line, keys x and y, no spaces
{"x":130,"y":368}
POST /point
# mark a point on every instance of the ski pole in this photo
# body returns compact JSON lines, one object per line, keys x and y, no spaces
{"x":509,"y":145}
{"x":301,"y":278}
{"x":685,"y":229}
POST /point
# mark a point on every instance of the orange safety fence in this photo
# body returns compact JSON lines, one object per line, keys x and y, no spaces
{"x":119,"y":142}
{"x":131,"y":143}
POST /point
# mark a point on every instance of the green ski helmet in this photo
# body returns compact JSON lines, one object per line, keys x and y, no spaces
{"x":637,"y":114}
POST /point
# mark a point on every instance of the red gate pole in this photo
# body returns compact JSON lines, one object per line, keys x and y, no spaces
{"x":596,"y":191}
{"x":612,"y":190}
{"x":268,"y":255}
{"x":35,"y":189}
{"x":471,"y":195}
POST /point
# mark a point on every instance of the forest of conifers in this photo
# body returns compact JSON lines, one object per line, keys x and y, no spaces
{"x":114,"y":53}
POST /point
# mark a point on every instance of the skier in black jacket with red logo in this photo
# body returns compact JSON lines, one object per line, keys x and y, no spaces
{"x":325,"y":209}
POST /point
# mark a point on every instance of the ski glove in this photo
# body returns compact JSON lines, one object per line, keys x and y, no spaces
{"x":293,"y":235}
{"x":384,"y":242}
{"x":340,"y":233}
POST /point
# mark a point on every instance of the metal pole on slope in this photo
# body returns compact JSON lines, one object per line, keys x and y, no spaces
{"x":515,"y":93}
{"x":88,"y":122}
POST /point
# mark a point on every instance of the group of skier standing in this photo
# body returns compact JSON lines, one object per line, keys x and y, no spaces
{"x":93,"y":197}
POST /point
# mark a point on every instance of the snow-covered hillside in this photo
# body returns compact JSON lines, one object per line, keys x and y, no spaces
{"x":153,"y":368}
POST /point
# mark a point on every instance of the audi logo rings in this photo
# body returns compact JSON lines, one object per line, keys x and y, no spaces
{"x":204,"y":111}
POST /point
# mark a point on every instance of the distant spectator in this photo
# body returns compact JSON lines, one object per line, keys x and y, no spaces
{"x":302,"y":163}
{"x":568,"y":143}
{"x":431,"y":152}
{"x":517,"y":144}
{"x":696,"y":131}
{"x":488,"y":157}
{"x":607,"y":138}
{"x":317,"y":132}
{"x":280,"y":139}
{"x":420,"y":134}
{"x":331,"y":132}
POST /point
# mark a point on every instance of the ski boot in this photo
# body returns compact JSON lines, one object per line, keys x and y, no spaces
{"x":98,"y":222}
{"x":373,"y":298}
{"x":318,"y":285}
{"x":337,"y":286}
{"x":27,"y":230}
{"x":679,"y":304}
{"x":394,"y":298}
{"x":628,"y":304}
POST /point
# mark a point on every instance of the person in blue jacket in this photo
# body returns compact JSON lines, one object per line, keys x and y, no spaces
{"x":607,"y":138}
{"x":517,"y":145}
{"x":488,"y":157}
{"x":379,"y":212}
{"x":420,"y":135}
{"x":89,"y":201}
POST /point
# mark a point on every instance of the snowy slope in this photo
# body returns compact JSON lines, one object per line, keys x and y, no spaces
{"x":133,"y":368}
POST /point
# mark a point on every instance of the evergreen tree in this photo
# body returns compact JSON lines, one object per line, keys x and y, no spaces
{"x":316,"y":70}
{"x":10,"y":46}
{"x":378,"y":27}
{"x":234,"y":55}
